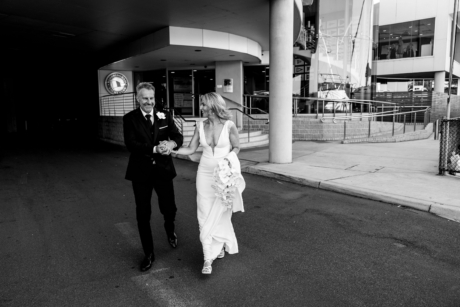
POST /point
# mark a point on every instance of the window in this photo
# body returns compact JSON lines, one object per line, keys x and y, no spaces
{"x":405,"y":40}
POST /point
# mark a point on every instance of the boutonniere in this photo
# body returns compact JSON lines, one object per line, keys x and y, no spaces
{"x":161,"y":115}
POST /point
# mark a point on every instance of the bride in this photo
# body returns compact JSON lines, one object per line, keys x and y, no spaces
{"x":219,"y":138}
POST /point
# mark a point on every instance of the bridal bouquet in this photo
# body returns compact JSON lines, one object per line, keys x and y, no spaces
{"x":225,"y":180}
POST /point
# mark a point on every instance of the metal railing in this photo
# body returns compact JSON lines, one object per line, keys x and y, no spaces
{"x":178,"y":118}
{"x":249,"y":117}
{"x":397,"y":114}
{"x":117,"y":105}
{"x":449,"y":147}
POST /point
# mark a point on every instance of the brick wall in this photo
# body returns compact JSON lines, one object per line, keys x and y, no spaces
{"x":439,"y":106}
{"x":111,"y":129}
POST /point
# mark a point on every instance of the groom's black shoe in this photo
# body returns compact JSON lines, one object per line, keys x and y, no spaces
{"x":147,"y":262}
{"x":172,"y":240}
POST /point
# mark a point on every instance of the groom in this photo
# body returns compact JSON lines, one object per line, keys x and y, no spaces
{"x":150,"y":136}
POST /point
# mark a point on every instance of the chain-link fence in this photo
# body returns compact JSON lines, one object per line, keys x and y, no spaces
{"x":449,"y":155}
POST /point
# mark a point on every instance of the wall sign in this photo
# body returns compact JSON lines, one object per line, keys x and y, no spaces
{"x":228,"y":85}
{"x":116,"y":83}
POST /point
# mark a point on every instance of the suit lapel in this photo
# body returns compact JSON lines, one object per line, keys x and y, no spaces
{"x":156,"y":125}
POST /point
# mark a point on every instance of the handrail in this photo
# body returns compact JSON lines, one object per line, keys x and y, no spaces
{"x":373,"y":115}
{"x":249,"y":116}
{"x":243,"y":106}
{"x":268,"y":120}
{"x":179,"y":114}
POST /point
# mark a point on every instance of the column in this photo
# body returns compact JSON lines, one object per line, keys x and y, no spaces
{"x":280,"y":107}
{"x":439,"y":79}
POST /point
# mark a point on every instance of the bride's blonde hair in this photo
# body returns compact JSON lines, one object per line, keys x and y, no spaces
{"x":217,"y":105}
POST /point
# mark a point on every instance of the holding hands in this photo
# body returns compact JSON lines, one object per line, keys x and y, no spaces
{"x":165,"y":147}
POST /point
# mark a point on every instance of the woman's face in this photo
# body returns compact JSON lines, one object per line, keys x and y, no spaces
{"x":205,"y":109}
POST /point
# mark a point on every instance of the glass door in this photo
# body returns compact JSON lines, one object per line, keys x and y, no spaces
{"x":181,"y":91}
{"x":204,"y":82}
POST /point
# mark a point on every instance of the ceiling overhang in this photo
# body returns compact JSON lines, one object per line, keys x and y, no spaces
{"x":175,"y":47}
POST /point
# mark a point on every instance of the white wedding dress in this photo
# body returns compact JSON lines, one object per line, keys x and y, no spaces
{"x":214,"y":219}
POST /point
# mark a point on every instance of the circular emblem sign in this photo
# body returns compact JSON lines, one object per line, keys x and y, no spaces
{"x":116,"y":83}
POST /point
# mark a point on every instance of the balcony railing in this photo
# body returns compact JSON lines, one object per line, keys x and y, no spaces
{"x":117,"y":105}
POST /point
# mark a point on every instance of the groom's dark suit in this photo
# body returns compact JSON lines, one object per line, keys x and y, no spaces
{"x":148,"y":170}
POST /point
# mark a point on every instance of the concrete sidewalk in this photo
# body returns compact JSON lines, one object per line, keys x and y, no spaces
{"x":403,"y":173}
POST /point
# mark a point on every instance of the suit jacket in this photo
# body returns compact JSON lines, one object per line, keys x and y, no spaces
{"x":140,"y":140}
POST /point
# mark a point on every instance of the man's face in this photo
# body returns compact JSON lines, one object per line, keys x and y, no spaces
{"x":146,"y":99}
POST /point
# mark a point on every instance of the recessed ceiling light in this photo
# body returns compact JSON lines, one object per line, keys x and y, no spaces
{"x":194,"y":70}
{"x":172,"y":72}
{"x":211,"y":79}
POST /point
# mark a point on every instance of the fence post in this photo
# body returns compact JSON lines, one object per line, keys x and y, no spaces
{"x":317,"y":108}
{"x":415,"y":117}
{"x":344,"y":129}
{"x":369,"y":134}
{"x":249,"y":130}
{"x":323,"y":107}
{"x":443,"y":146}
{"x":436,"y":129}
{"x":393,"y":132}
{"x":404,"y":130}
{"x":351,"y":110}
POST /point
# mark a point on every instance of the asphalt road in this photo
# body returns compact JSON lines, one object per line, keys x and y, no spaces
{"x":68,"y":237}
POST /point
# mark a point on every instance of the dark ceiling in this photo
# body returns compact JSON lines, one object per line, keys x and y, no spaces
{"x":93,"y":26}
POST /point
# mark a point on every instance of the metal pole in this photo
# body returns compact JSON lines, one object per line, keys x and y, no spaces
{"x":344,"y":129}
{"x":249,"y":130}
{"x":452,"y":52}
{"x":404,"y":130}
{"x":317,"y":109}
{"x":369,"y":134}
{"x":323,"y":108}
{"x":393,"y":132}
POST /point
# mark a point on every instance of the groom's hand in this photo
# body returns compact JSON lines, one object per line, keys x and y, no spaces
{"x":166,"y":147}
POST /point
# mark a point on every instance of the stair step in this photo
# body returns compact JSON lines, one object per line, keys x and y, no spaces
{"x":255,"y":144}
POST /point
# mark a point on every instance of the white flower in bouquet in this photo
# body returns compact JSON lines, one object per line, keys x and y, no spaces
{"x":225,"y":182}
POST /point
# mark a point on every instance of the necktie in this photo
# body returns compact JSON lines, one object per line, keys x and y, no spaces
{"x":149,"y":122}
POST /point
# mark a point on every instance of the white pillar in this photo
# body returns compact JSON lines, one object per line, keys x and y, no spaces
{"x":439,"y":79}
{"x":281,"y":50}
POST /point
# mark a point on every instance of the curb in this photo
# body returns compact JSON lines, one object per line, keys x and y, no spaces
{"x":441,"y":210}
